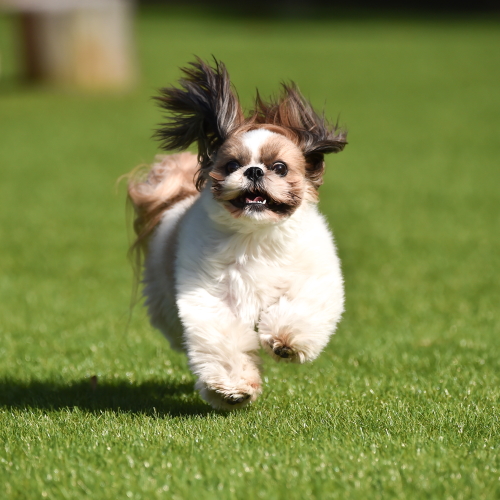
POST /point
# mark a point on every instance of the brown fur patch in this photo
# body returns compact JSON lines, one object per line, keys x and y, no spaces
{"x":290,"y":188}
{"x":234,"y":149}
{"x":169,"y":181}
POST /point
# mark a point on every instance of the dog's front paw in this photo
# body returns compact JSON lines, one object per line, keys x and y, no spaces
{"x":282,"y":346}
{"x":236,"y":399}
{"x":227,"y":396}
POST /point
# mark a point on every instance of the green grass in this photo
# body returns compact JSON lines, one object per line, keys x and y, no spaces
{"x":404,"y":402}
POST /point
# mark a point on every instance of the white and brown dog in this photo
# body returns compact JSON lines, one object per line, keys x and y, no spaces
{"x":236,"y":251}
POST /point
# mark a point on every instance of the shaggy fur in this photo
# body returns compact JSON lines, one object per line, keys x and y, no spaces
{"x":237,"y":255}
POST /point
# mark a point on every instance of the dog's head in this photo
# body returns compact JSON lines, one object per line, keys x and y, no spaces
{"x":260,"y":167}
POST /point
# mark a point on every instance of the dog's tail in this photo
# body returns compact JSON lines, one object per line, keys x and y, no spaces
{"x":154,"y":190}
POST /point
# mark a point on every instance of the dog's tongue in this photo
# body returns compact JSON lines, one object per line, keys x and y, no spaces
{"x":249,"y":198}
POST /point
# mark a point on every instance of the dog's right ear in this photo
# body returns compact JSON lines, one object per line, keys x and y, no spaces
{"x":314,"y":135}
{"x":204,"y":110}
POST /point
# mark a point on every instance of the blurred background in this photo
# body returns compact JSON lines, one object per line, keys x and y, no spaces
{"x":413,"y":200}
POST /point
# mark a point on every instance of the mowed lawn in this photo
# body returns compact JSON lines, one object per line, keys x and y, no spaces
{"x":403,"y":403}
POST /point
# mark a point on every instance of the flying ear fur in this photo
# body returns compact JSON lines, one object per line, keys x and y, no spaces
{"x":315,"y":136}
{"x":205,"y":110}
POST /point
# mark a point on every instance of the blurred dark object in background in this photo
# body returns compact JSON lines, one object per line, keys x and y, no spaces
{"x":80,"y":43}
{"x":287,"y":8}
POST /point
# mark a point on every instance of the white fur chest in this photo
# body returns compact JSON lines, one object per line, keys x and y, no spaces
{"x":247,"y":270}
{"x":252,"y":281}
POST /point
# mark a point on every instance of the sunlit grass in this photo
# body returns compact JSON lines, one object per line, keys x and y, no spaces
{"x":404,"y":401}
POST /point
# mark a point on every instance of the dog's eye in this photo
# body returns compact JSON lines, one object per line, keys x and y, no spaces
{"x":280,"y":168}
{"x":232,"y":166}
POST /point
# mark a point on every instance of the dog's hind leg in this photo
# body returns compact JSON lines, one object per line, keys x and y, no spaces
{"x":161,"y":196}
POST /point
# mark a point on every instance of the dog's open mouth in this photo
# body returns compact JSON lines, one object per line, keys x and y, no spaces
{"x":256,"y":200}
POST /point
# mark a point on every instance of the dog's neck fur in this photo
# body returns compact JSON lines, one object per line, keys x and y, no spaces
{"x":250,"y":240}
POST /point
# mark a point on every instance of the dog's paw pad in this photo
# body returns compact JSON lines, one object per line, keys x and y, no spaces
{"x":284,"y":352}
{"x":283,"y":348}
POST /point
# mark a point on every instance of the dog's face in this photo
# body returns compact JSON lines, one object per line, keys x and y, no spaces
{"x":260,"y":167}
{"x":259,"y":174}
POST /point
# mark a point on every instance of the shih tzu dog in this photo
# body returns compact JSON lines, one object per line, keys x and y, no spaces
{"x":236,"y":253}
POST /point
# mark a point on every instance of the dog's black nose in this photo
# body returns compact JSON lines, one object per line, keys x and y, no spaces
{"x":254,"y":173}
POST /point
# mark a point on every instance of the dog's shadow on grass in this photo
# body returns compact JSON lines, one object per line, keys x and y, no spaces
{"x":153,"y":398}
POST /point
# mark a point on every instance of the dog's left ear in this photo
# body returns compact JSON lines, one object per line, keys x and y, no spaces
{"x":205,"y":110}
{"x":315,"y":135}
